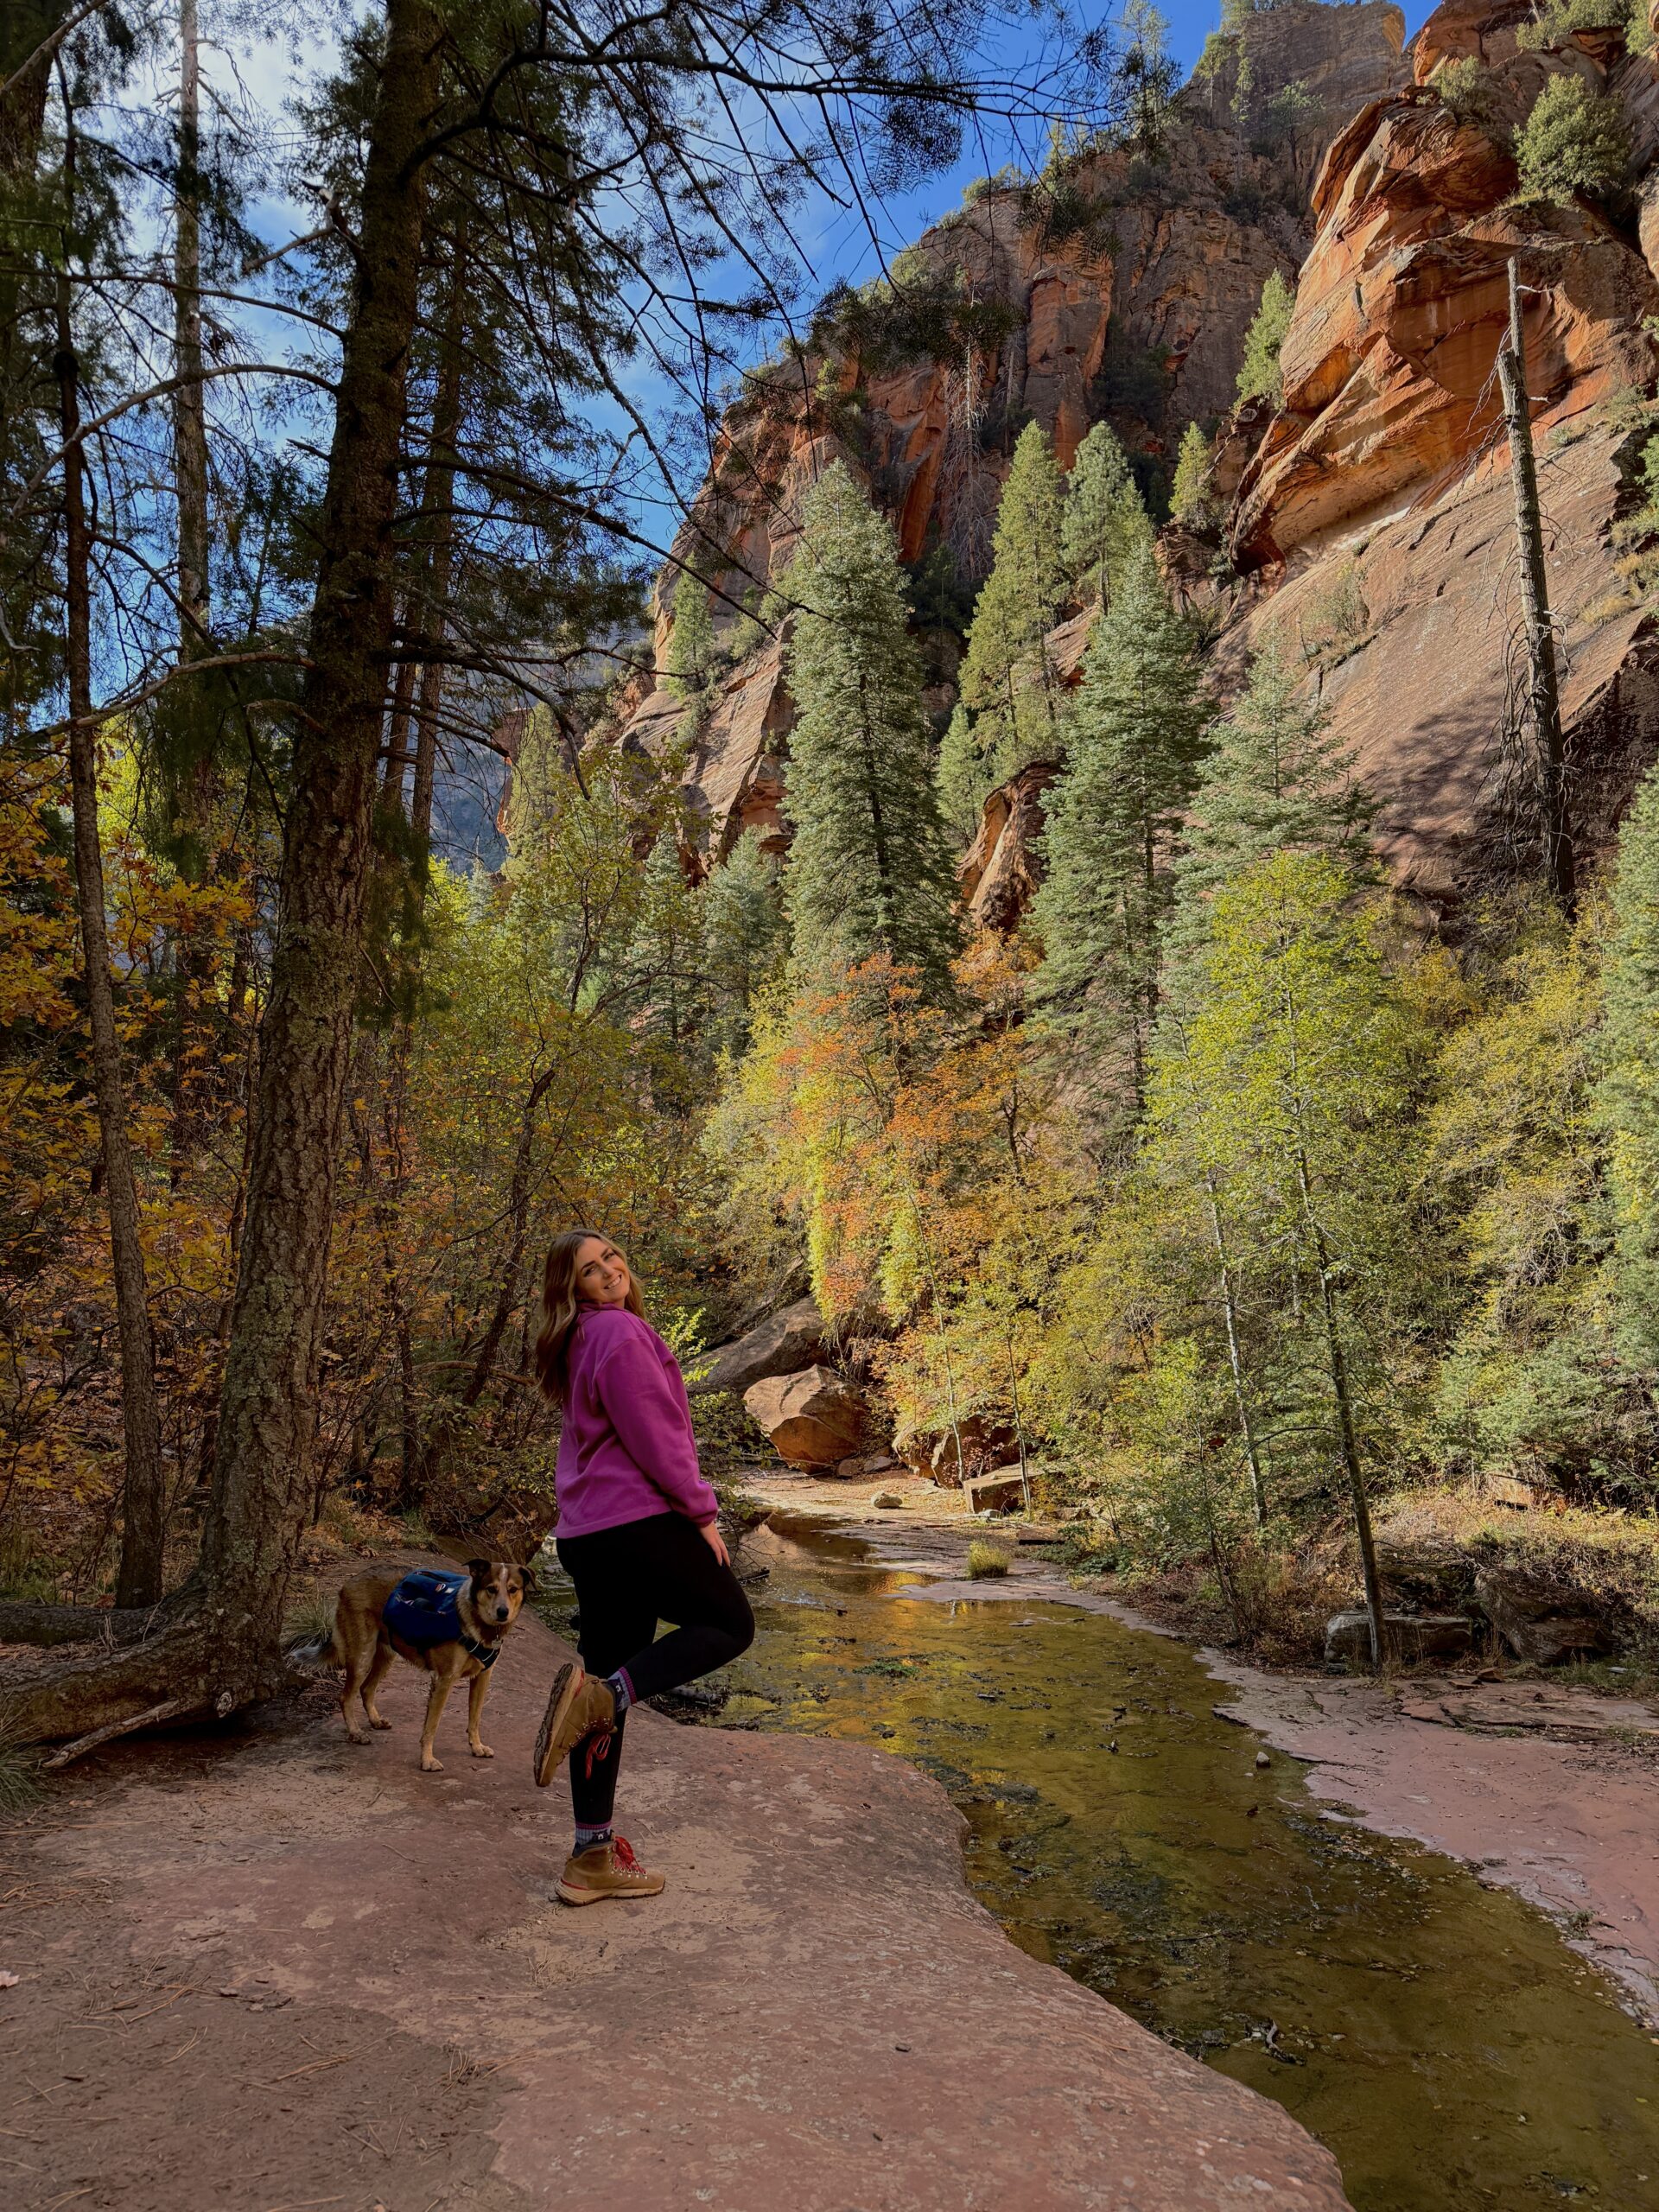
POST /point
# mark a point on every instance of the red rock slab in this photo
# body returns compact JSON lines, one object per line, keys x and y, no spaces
{"x":815,"y":2016}
{"x":1568,"y":1826}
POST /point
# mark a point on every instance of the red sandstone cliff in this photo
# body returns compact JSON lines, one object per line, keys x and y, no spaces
{"x":1376,"y":510}
{"x":1369,"y":517}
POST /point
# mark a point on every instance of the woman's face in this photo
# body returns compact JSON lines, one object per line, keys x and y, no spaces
{"x":603,"y":1277}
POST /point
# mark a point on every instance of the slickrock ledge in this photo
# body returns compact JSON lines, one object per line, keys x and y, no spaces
{"x":366,"y":1995}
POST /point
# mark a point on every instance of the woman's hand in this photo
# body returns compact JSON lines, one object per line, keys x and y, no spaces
{"x":709,"y":1531}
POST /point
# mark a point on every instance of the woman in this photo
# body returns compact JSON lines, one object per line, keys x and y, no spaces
{"x":637,"y":1535}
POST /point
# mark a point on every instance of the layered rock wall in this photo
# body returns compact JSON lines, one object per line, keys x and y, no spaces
{"x":1369,"y":518}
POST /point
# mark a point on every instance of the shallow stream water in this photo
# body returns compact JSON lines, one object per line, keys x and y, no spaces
{"x":1437,"y":2036}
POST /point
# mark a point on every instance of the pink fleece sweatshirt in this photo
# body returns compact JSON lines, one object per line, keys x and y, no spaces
{"x":627,"y":1450}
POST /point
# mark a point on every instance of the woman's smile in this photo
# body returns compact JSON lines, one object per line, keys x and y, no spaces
{"x":603,"y":1277}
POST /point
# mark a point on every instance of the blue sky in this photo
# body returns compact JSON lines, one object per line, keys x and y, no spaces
{"x":282,"y":58}
{"x":844,"y":250}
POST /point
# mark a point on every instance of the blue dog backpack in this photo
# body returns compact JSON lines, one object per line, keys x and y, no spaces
{"x":425,"y":1608}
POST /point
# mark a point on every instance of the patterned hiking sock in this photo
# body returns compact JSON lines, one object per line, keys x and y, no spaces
{"x":621,"y":1689}
{"x":589,"y":1839}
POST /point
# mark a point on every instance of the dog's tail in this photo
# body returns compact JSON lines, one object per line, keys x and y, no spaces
{"x":321,"y":1649}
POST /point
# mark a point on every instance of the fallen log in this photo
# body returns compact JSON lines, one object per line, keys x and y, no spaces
{"x":23,"y":1623}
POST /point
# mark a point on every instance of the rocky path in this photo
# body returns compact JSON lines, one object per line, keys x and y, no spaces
{"x":268,"y":1973}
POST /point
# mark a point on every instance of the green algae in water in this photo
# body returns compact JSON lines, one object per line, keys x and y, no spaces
{"x":1441,"y":2038}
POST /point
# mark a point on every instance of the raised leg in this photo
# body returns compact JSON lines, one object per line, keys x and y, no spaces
{"x":479,"y":1685}
{"x":436,"y":1698}
{"x":384,"y":1655}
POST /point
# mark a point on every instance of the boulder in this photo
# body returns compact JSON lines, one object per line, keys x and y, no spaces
{"x":887,"y":1500}
{"x":813,"y":1419}
{"x":1002,"y":1490}
{"x":1405,"y":1635}
{"x":1542,"y":1621}
{"x":985,"y":1444}
{"x":784,"y":1344}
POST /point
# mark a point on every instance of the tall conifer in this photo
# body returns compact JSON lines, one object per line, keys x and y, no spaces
{"x":1009,"y":692}
{"x":1135,"y":739}
{"x":744,"y":934}
{"x":1105,"y":521}
{"x":1277,"y":780}
{"x":869,"y":872}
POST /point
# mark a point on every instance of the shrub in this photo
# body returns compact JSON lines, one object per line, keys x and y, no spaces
{"x":1575,"y":141}
{"x":986,"y":1562}
{"x":1469,"y":95}
{"x":1554,"y":22}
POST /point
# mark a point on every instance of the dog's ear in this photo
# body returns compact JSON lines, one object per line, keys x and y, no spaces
{"x":479,"y":1569}
{"x":527,"y":1576}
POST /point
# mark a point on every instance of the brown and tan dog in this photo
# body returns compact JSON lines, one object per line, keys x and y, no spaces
{"x":484,"y":1609}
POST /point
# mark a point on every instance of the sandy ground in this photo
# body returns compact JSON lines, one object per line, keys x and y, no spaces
{"x":259,"y":1969}
{"x":1545,"y":1788}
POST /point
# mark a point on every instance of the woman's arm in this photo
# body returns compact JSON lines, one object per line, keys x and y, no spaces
{"x":648,"y":1417}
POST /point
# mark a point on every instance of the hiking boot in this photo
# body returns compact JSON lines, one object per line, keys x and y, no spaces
{"x":607,"y":1870}
{"x":578,"y":1705}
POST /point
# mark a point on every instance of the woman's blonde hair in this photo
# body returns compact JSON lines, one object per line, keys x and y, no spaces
{"x":562,"y":1308}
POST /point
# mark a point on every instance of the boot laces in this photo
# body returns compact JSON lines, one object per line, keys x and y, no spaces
{"x":622,"y":1854}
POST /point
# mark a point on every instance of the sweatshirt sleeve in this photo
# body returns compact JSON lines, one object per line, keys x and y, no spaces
{"x":646,"y":1413}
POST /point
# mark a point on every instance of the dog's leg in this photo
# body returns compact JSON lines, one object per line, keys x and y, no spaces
{"x":356,"y":1666}
{"x":436,"y":1698}
{"x":384,"y":1655}
{"x":476,"y":1688}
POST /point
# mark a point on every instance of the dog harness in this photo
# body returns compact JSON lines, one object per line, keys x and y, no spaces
{"x":425,"y":1608}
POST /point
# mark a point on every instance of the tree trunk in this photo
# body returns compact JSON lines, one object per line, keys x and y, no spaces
{"x":190,"y":401}
{"x":1235,"y":1356}
{"x":268,"y":1408}
{"x":227,"y":1649}
{"x":138,"y":1580}
{"x":1544,"y":689}
{"x":506,"y":1296}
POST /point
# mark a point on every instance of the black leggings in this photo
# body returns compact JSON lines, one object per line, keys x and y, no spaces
{"x":627,"y":1580}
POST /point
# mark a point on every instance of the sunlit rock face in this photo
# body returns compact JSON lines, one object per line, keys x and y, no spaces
{"x":1136,"y":313}
{"x":1375,"y":516}
{"x":1368,"y":517}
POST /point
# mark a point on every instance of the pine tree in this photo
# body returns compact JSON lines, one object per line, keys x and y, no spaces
{"x":1259,"y":374}
{"x":1105,"y":521}
{"x":744,"y":936}
{"x":1277,"y":779}
{"x":1009,"y":691}
{"x":1284,"y":1098}
{"x":1135,"y":739}
{"x":691,"y":665}
{"x":868,"y":873}
{"x":1189,"y":499}
{"x":666,"y":955}
{"x":1627,"y":1092}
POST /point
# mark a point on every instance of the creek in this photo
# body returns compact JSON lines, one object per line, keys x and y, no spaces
{"x":1437,"y":2036}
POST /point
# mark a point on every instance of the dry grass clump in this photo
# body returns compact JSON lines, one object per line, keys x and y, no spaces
{"x":309,"y":1620}
{"x":985,"y":1561}
{"x":19,"y":1785}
